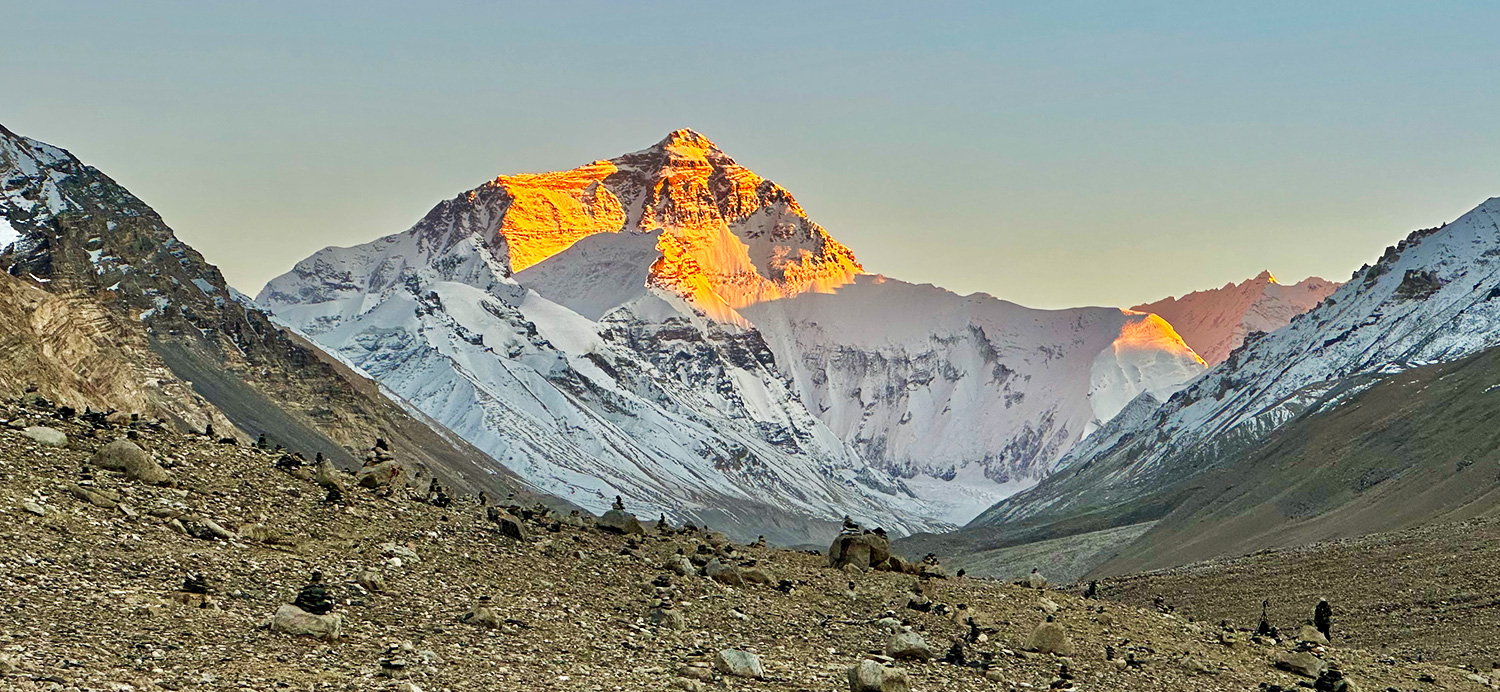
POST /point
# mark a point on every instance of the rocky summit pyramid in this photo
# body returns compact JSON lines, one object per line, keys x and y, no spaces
{"x":671,"y":327}
{"x":103,"y":307}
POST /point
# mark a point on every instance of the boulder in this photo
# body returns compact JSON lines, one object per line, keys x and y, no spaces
{"x":126,"y":456}
{"x":880,"y":550}
{"x":850,"y":550}
{"x":510,"y":526}
{"x":739,"y":664}
{"x":622,"y":522}
{"x":379,"y":475}
{"x":869,"y":676}
{"x":290,"y":619}
{"x":329,"y":477}
{"x":1049,"y":638}
{"x":722,"y":573}
{"x":1301,"y":663}
{"x":44,"y":435}
{"x":1036,"y":581}
{"x":371,"y":580}
{"x":1311,"y":635}
{"x":908,"y":646}
{"x":681,"y":565}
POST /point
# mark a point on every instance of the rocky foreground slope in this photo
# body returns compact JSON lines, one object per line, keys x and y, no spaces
{"x":102,"y":574}
{"x":104,"y":307}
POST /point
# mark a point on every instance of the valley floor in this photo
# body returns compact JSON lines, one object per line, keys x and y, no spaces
{"x":87,"y":594}
{"x":1428,"y":593}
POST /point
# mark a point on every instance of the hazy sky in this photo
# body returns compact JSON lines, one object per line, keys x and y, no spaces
{"x":1051,"y":153}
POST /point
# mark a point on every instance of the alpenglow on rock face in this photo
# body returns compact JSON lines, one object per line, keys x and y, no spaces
{"x":1216,"y":321}
{"x":671,"y":327}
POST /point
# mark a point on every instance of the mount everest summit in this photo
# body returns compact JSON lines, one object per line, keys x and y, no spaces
{"x":671,"y":327}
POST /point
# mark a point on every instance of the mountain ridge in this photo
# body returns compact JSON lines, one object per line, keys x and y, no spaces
{"x":671,"y":295}
{"x":1216,"y":321}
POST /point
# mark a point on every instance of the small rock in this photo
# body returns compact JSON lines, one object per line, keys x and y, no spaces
{"x":1311,"y":635}
{"x":1049,"y":638}
{"x":682,"y":566}
{"x":399,"y":551}
{"x":722,"y":573}
{"x":371,"y":580}
{"x":869,"y":676}
{"x":908,"y":646}
{"x":126,"y":456}
{"x":1301,"y":663}
{"x":621,"y":521}
{"x":290,"y":619}
{"x":510,"y":526}
{"x":379,"y":475}
{"x":34,"y":508}
{"x":44,"y":435}
{"x":739,"y":663}
{"x":669,"y":618}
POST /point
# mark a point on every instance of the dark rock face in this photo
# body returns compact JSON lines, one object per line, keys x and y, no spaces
{"x":82,"y":234}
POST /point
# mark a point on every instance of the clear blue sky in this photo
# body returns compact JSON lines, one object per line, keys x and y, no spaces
{"x":1051,"y":153}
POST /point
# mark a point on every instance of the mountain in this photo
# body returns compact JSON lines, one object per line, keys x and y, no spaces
{"x":1216,"y":321}
{"x":1429,"y":299}
{"x":670,"y":327}
{"x":104,"y":307}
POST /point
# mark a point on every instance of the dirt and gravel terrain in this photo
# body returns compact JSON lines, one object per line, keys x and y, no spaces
{"x":1422,"y":594}
{"x":93,"y":564}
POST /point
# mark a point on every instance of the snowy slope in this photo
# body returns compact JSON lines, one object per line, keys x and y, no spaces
{"x":574,"y":405}
{"x":656,"y":326}
{"x":970,"y":397}
{"x":1216,"y":321}
{"x":1433,"y":297}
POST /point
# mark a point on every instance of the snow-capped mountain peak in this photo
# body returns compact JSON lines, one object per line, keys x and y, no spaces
{"x":670,"y":326}
{"x":1216,"y":321}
